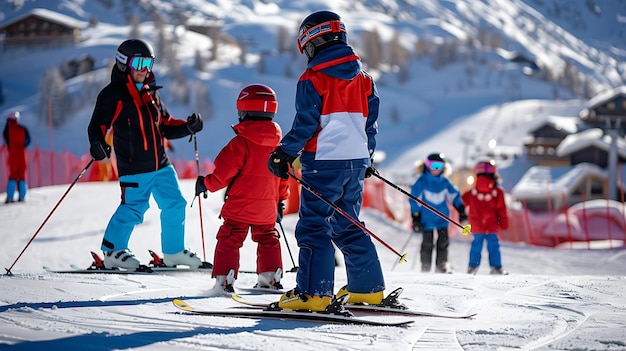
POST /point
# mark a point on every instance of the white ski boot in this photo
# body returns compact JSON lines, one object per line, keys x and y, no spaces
{"x":224,"y":283}
{"x":270,"y":280}
{"x":120,"y":259}
{"x":184,"y":258}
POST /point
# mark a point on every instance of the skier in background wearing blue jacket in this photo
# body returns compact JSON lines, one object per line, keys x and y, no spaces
{"x":435,"y":189}
{"x":334,"y":133}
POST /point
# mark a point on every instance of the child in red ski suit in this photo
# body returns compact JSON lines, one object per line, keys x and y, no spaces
{"x":487,"y":215}
{"x":254,"y":197}
{"x":17,"y":139}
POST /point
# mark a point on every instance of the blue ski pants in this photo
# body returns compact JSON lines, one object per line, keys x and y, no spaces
{"x":21,"y":189}
{"x":136,"y":190}
{"x":493,"y":248}
{"x":320,"y":226}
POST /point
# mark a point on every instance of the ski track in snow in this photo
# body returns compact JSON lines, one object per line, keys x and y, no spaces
{"x":565,"y":306}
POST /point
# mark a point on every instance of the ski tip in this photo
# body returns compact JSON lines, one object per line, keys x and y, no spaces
{"x":181,"y":305}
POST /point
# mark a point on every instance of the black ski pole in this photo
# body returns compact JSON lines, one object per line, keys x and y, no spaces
{"x":195,"y":148}
{"x":49,"y":215}
{"x":403,"y":248}
{"x":466,"y":228}
{"x":294,"y":268}
{"x":348,"y":217}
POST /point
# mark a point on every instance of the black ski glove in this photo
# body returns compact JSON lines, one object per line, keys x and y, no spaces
{"x":200,"y":187}
{"x":418,"y":226}
{"x":370,"y":171}
{"x":99,"y":151}
{"x":194,"y":123}
{"x":281,"y":210}
{"x":279,"y":163}
{"x":462,"y":213}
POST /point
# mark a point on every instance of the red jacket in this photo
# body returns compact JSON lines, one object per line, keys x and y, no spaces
{"x":487,"y":207}
{"x":17,"y":139}
{"x":253,"y":192}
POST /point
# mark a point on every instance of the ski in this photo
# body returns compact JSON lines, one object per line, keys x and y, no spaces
{"x":373,"y":309}
{"x":254,"y":290}
{"x":389,"y":306}
{"x":317,"y":317}
{"x":76,"y":270}
{"x":156,"y":265}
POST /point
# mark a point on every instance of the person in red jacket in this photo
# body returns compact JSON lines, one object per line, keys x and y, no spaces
{"x":487,"y":215}
{"x":17,"y":138}
{"x":254,"y":197}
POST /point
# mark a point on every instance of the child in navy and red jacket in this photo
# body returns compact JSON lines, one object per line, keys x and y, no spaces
{"x":254,"y":197}
{"x":334,"y":134}
{"x":487,"y":215}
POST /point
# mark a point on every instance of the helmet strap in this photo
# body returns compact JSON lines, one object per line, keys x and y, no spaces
{"x":309,"y":50}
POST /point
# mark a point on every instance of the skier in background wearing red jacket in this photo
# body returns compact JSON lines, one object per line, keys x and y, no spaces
{"x":254,"y":197}
{"x":17,"y":139}
{"x":487,"y":215}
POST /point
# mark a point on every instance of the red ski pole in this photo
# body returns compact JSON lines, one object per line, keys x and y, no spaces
{"x":49,"y":215}
{"x":348,"y":217}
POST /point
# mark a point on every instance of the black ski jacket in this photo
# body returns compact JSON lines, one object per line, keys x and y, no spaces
{"x":140,"y":123}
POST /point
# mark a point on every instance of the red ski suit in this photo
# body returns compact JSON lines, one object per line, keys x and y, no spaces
{"x":487,"y":207}
{"x":17,"y":139}
{"x":251,"y":198}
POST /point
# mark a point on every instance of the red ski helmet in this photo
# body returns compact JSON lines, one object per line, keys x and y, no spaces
{"x":488,"y":167}
{"x":257,"y":100}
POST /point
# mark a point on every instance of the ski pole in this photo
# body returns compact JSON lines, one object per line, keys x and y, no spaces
{"x":295,"y":268}
{"x":403,"y":248}
{"x":49,"y":215}
{"x":195,"y":148}
{"x":347,"y":216}
{"x":466,"y":228}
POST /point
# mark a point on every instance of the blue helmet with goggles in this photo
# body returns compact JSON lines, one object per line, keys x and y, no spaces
{"x":136,"y":54}
{"x":320,"y":30}
{"x":435,"y":162}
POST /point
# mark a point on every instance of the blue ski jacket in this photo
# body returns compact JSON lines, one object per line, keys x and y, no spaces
{"x":436,"y":191}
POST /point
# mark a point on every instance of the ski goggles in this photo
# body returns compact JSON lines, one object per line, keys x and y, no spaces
{"x":309,"y":34}
{"x":435,"y":165}
{"x":139,"y":63}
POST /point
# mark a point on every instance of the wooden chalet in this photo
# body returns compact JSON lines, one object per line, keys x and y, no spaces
{"x":607,"y":110}
{"x":40,"y":27}
{"x":541,"y":144}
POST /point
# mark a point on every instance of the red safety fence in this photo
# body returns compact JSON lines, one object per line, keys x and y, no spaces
{"x":54,"y":168}
{"x":587,"y":222}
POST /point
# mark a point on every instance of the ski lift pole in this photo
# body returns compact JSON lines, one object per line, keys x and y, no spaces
{"x":195,"y":149}
{"x":465,"y":228}
{"x":348,"y":217}
{"x":49,"y":215}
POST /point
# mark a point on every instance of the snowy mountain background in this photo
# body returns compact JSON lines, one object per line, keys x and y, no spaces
{"x":425,"y":99}
{"x":484,"y":100}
